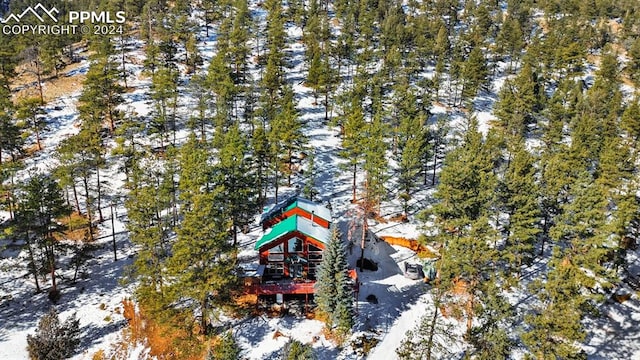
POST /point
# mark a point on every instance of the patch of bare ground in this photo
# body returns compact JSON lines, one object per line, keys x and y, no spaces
{"x":25,"y":85}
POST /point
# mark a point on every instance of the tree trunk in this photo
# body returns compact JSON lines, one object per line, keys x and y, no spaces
{"x":435,"y":162}
{"x":35,"y":126}
{"x":124,"y":68}
{"x":113,"y":235}
{"x":203,"y":321}
{"x":432,"y":330}
{"x":99,"y":190}
{"x":75,"y":197}
{"x":289,"y":154}
{"x":52,"y":266}
{"x":276,"y":183}
{"x":364,"y":238}
{"x":32,"y":260}
{"x":88,"y":201}
{"x":326,"y":105}
{"x":355,"y":170}
{"x":234,"y":229}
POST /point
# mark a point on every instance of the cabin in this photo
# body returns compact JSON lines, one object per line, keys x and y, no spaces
{"x":292,"y":248}
{"x":296,"y":232}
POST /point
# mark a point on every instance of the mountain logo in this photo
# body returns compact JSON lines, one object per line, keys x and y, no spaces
{"x":35,"y":11}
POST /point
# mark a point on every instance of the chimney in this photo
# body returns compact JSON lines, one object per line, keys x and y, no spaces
{"x":312,"y":223}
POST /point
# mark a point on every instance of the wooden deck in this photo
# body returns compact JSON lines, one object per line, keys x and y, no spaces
{"x":281,"y":288}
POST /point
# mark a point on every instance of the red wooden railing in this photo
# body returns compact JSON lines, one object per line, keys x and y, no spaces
{"x":281,"y":288}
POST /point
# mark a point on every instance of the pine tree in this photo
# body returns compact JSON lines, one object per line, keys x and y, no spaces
{"x":41,"y":205}
{"x":581,"y":227}
{"x":437,"y":142}
{"x":411,"y":149}
{"x":11,"y":141}
{"x":286,"y":137}
{"x":555,"y":324}
{"x":148,"y":230}
{"x":474,"y":74}
{"x":630,"y":120}
{"x":295,"y":350}
{"x":519,"y":195}
{"x":491,"y":337}
{"x":353,"y":140}
{"x":225,"y":349}
{"x":334,"y":293}
{"x":164,"y":93}
{"x":465,"y":192}
{"x":201,"y":262}
{"x":260,"y":156}
{"x":102,"y":93}
{"x":233,"y":174}
{"x":375,"y":163}
{"x":31,"y":111}
{"x":432,"y":335}
{"x":634,"y":65}
{"x":309,"y":190}
{"x":54,"y":340}
{"x":467,"y":181}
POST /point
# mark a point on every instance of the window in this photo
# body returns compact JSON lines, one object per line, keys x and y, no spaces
{"x":294,"y":245}
{"x":275,"y":257}
{"x":275,"y":269}
{"x":313,"y":248}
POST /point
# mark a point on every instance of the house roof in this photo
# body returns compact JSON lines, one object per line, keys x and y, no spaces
{"x":294,"y":223}
{"x":296,"y":201}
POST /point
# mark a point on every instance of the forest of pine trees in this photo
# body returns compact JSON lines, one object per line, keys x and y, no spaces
{"x":548,"y":182}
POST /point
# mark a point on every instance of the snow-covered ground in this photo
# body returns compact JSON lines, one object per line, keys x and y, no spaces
{"x":97,"y":295}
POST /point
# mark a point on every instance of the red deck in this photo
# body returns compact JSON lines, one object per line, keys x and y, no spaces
{"x":282,"y":288}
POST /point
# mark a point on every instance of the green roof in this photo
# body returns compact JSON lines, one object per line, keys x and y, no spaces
{"x":294,"y":223}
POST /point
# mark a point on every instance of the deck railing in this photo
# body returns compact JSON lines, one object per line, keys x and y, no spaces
{"x":282,"y":288}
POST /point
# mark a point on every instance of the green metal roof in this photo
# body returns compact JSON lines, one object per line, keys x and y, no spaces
{"x":283,"y":227}
{"x":294,"y":223}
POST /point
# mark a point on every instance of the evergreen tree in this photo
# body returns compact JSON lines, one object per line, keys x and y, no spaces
{"x":260,"y":156}
{"x":630,"y":120}
{"x":580,"y":226}
{"x":201,"y":262}
{"x":353,"y":140}
{"x":41,"y":205}
{"x":164,"y":93}
{"x":295,"y":350}
{"x":437,"y":142}
{"x":554,"y":325}
{"x":491,"y":337}
{"x":309,"y":190}
{"x":233,"y":174}
{"x":430,"y":337}
{"x":633,"y":68}
{"x":225,"y":349}
{"x":411,"y":148}
{"x":375,"y":163}
{"x":519,"y":195}
{"x":102,"y":93}
{"x":465,"y":192}
{"x":334,"y":294}
{"x":148,"y":230}
{"x":54,"y":340}
{"x":31,"y":111}
{"x":11,"y":141}
{"x":474,"y":74}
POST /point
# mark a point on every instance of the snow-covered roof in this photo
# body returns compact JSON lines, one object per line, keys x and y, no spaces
{"x":316,"y":209}
{"x":296,"y":201}
{"x":294,"y":223}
